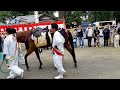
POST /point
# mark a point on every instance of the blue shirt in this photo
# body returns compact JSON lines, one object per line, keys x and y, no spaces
{"x":106,"y":33}
{"x":80,"y":33}
{"x":16,"y":21}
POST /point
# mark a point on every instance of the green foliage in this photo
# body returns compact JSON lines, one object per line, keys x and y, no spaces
{"x":103,"y":15}
{"x":4,"y":14}
{"x":72,"y":16}
{"x":10,"y":14}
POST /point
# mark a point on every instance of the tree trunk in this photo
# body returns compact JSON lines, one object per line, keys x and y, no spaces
{"x":61,"y":14}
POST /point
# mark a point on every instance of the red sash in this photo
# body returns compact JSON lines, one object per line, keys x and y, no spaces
{"x":58,"y":52}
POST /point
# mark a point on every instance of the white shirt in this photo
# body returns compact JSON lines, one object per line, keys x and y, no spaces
{"x":74,"y":34}
{"x":58,"y":40}
{"x":90,"y":32}
{"x":9,"y":46}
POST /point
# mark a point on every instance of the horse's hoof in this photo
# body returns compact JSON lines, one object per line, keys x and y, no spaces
{"x":40,"y":67}
{"x":28,"y":69}
{"x":55,"y":68}
{"x":75,"y":66}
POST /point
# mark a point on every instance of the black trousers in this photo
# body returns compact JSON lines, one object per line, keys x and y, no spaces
{"x":89,"y":41}
{"x":106,"y":41}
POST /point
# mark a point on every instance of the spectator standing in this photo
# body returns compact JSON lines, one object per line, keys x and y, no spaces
{"x":106,"y":35}
{"x":80,"y":33}
{"x":96,"y":36}
{"x":16,"y":20}
{"x":118,"y":30}
{"x":116,"y":39}
{"x":89,"y":32}
{"x":112,"y":33}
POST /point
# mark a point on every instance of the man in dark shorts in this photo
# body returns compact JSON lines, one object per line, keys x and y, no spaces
{"x":95,"y":35}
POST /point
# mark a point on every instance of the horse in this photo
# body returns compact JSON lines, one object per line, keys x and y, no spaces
{"x":25,"y":37}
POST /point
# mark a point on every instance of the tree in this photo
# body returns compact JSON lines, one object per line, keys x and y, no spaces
{"x":116,"y":15}
{"x":4,"y":14}
{"x":94,"y":16}
{"x":72,"y":16}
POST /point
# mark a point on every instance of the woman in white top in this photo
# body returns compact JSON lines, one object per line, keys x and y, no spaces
{"x":89,"y":32}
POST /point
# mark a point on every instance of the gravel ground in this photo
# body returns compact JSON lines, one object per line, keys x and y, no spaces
{"x":93,"y":63}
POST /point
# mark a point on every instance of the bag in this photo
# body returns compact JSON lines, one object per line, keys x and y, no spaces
{"x":41,"y":41}
{"x":9,"y":61}
{"x":1,"y":56}
{"x":74,"y":40}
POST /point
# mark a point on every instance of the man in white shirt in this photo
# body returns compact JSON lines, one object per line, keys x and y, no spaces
{"x":58,"y":44}
{"x":11,"y":55}
{"x":89,"y":35}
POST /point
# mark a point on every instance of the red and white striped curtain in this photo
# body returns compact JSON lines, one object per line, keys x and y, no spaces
{"x":25,"y":27}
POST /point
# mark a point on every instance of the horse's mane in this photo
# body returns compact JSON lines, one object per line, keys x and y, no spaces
{"x":62,"y":31}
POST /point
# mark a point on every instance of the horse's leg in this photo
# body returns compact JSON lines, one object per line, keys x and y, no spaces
{"x":29,"y":51}
{"x":51,"y":46}
{"x":72,"y":53}
{"x":40,"y":50}
{"x":38,"y":56}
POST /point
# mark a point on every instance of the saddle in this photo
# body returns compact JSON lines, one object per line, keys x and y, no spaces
{"x":42,"y":37}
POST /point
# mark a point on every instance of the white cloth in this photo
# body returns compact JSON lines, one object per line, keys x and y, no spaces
{"x":89,"y":32}
{"x":10,"y":49}
{"x":21,"y":59}
{"x":116,"y":40}
{"x":32,"y":37}
{"x":112,"y":35}
{"x":74,"y":34}
{"x":58,"y":40}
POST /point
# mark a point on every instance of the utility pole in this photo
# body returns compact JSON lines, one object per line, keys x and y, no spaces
{"x":36,"y":17}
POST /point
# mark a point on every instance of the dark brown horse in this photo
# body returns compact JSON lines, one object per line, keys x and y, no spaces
{"x":25,"y":37}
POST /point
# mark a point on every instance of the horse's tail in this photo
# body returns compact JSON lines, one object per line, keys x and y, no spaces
{"x":71,"y":40}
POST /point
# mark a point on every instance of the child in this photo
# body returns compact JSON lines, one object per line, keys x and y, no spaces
{"x":98,"y":40}
{"x":75,"y":42}
{"x":74,"y":35}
